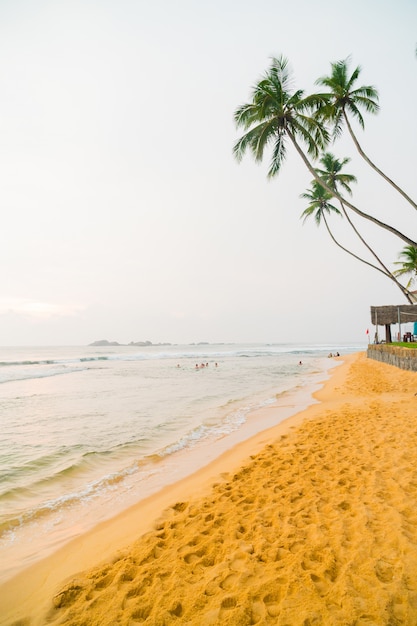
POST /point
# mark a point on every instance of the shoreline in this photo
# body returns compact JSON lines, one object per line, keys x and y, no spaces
{"x":38,"y":540}
{"x":112,"y":535}
{"x":310,"y":522}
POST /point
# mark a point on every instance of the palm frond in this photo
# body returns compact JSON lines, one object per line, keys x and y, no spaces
{"x":408,"y":264}
{"x":255,"y":140}
{"x":298,"y":128}
{"x":279,"y":154}
{"x":311,"y":211}
{"x":354,"y":76}
{"x":354,"y":111}
{"x":370,"y":106}
{"x":281,"y":72}
{"x":245,"y":115}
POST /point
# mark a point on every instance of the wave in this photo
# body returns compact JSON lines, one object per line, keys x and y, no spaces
{"x":86,"y":493}
{"x":78,"y":468}
{"x":75,"y":463}
{"x":29,"y":375}
{"x":53,"y":361}
{"x":15,"y":363}
{"x":34,"y":466}
{"x":56,"y":468}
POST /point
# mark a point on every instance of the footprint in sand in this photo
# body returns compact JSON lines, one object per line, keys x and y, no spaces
{"x":230,"y":582}
{"x":272,"y":604}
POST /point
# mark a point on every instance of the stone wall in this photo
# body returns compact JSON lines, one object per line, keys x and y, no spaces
{"x":405,"y":358}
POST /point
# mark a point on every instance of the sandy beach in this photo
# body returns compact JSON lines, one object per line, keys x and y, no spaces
{"x":311,"y":522}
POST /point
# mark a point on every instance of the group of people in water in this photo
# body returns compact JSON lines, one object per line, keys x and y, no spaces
{"x":202,"y":365}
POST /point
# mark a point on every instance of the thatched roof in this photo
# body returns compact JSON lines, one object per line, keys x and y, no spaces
{"x":381,"y":315}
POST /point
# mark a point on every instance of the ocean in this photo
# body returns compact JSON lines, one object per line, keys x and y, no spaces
{"x":88,"y":431}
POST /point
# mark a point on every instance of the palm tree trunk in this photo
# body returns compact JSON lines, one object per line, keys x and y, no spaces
{"x":386,"y":270}
{"x":334,"y":193}
{"x":388,"y":274}
{"x":374,"y":167}
{"x":339,"y":245}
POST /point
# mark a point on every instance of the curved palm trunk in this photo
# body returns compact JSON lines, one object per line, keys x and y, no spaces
{"x":339,"y":245}
{"x":386,"y":270}
{"x":375,"y":167}
{"x":355,"y":209}
{"x":388,"y":274}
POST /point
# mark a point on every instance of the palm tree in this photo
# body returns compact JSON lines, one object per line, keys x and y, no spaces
{"x":408,"y":264}
{"x":345,"y":100}
{"x":332,"y":174}
{"x":277,"y":114}
{"x":318,"y":208}
{"x":319,"y":204}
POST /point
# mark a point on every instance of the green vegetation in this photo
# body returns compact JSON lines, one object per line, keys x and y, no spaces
{"x":408,"y":264}
{"x":278,"y":116}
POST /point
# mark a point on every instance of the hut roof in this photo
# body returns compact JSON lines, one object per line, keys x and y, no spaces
{"x":381,"y":315}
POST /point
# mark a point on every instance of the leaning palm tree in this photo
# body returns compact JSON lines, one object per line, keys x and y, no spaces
{"x":332,"y":174}
{"x":320,"y":206}
{"x":345,"y":100}
{"x":276,"y":116}
{"x":408,"y":264}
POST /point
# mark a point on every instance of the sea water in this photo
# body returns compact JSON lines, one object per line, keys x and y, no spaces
{"x":88,"y":431}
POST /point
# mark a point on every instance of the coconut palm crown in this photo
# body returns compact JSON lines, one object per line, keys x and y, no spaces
{"x":344,"y":100}
{"x":332,"y":172}
{"x":276,"y":114}
{"x":319,"y":203}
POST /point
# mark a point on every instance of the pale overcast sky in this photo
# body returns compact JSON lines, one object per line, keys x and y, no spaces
{"x":124,"y":213}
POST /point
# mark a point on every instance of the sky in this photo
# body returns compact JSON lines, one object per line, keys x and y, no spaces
{"x":124,"y":213}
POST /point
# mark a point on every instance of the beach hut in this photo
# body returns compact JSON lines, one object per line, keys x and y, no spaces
{"x":394,"y":314}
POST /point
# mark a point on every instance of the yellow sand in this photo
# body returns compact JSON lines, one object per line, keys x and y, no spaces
{"x":317,"y":527}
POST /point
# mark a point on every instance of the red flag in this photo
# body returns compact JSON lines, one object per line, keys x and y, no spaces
{"x":367,"y":331}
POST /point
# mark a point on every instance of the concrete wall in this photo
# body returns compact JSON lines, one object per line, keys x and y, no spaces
{"x":405,"y":358}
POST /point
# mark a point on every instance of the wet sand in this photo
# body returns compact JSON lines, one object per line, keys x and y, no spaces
{"x":312,"y":522}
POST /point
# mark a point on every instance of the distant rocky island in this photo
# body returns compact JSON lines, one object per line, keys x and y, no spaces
{"x":105,"y":342}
